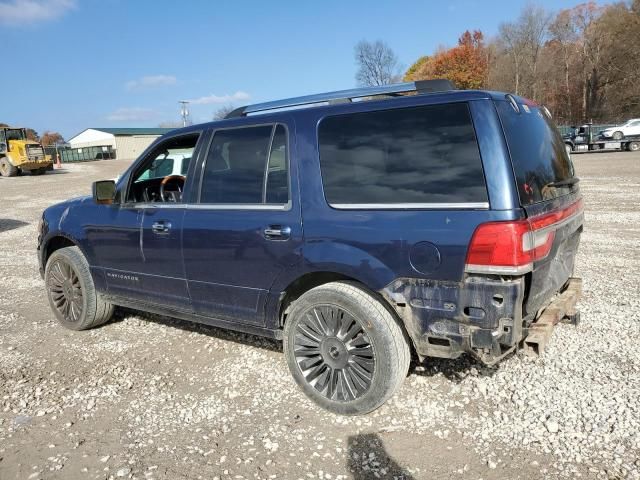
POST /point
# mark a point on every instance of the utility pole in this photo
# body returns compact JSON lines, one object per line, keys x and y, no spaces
{"x":184,"y":111}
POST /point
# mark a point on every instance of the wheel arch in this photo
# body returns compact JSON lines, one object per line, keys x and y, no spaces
{"x":56,"y":242}
{"x":309,"y":280}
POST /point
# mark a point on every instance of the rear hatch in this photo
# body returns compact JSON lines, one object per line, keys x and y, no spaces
{"x":549,"y":193}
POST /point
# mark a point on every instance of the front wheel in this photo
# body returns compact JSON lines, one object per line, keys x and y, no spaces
{"x":345,"y":350}
{"x":7,"y":169}
{"x":617,"y":135}
{"x":71,"y":292}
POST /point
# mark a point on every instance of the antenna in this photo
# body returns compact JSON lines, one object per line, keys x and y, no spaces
{"x":184,"y":111}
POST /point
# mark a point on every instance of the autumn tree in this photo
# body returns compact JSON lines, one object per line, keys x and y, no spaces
{"x":465,"y":64}
{"x":377,"y":63}
{"x":582,"y":62}
{"x":32,"y":135}
{"x":410,"y":74}
{"x":51,"y":138}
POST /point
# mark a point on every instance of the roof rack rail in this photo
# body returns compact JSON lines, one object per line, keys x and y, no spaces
{"x":345,"y":96}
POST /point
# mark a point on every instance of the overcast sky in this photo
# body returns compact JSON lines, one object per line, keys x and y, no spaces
{"x":73,"y":64}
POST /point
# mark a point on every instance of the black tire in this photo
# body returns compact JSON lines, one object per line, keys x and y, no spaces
{"x":633,"y":146}
{"x":38,"y":171}
{"x":7,"y":169}
{"x":353,"y":351}
{"x":617,"y":135}
{"x":71,"y":292}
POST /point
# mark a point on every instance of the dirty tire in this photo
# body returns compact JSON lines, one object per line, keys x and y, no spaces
{"x":7,"y":169}
{"x":355,"y":310}
{"x":634,"y":146}
{"x":617,"y":135}
{"x":71,"y":292}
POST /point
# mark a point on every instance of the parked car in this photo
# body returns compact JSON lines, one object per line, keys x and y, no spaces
{"x":631,"y":127}
{"x":437,"y":223}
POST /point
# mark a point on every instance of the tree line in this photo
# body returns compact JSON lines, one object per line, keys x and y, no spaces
{"x":47,"y":138}
{"x":582,"y":62}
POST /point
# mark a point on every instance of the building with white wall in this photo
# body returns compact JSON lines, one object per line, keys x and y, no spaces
{"x":128,"y":143}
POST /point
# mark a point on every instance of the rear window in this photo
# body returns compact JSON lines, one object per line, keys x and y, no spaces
{"x":537,"y":151}
{"x":403,"y":156}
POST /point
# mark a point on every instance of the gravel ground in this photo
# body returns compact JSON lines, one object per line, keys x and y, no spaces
{"x":153,"y":397}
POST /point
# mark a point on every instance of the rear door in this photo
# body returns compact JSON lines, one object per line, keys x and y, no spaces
{"x":246,"y":227}
{"x":548,"y":192}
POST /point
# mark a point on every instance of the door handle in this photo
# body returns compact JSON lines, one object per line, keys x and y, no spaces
{"x":161,"y":227}
{"x":277,"y":232}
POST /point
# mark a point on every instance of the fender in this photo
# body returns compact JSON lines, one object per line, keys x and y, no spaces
{"x":346,"y":259}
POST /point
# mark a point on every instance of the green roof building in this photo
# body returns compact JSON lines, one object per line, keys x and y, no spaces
{"x":128,"y":143}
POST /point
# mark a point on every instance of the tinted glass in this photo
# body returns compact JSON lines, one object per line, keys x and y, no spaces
{"x":413,"y":155}
{"x":236,"y":166}
{"x":538,"y":153}
{"x":184,"y":168}
{"x":277,"y":190}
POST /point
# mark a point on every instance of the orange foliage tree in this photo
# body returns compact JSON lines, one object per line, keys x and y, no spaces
{"x":51,"y":138}
{"x":466,"y":64}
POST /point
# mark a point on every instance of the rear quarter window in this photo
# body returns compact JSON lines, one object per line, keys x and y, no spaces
{"x":418,"y":155}
{"x":538,"y":153}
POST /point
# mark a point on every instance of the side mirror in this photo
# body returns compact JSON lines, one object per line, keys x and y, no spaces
{"x":104,"y":191}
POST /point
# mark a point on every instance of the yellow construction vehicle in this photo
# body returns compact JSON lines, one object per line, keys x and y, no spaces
{"x":19,"y":154}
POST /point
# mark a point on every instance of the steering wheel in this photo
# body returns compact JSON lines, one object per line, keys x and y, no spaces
{"x":167,"y":192}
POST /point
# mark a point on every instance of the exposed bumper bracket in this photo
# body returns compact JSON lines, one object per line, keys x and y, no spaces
{"x":562,"y":308}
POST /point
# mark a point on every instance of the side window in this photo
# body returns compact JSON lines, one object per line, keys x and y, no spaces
{"x":277,"y":188}
{"x":412,"y":155}
{"x":166,"y":166}
{"x":247,"y":166}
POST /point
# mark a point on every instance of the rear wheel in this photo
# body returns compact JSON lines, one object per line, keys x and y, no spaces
{"x":344,"y":349}
{"x":617,"y":135}
{"x":7,"y":169}
{"x":39,"y":171}
{"x":634,"y":146}
{"x":71,"y":292}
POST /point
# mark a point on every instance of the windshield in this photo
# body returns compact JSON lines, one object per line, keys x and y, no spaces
{"x":538,"y":154}
{"x":15,"y":134}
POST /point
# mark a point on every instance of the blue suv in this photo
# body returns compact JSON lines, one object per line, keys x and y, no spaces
{"x":360,"y":227}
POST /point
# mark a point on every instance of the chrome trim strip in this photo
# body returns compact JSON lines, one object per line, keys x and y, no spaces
{"x":412,"y":206}
{"x":499,"y":269}
{"x":257,"y":206}
{"x":207,"y":206}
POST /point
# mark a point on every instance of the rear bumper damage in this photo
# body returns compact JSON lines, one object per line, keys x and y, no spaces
{"x":481,"y":316}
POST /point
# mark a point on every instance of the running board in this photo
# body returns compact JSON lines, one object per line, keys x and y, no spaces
{"x":561,"y":309}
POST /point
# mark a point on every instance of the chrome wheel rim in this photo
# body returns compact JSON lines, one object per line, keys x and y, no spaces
{"x":65,"y":291}
{"x":334,"y":353}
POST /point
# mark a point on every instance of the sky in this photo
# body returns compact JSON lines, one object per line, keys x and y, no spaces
{"x":76,"y":64}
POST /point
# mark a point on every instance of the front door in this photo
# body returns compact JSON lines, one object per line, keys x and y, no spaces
{"x":246,"y":226}
{"x":140,"y":249}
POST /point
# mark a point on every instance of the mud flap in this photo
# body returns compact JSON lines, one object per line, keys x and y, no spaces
{"x":562,"y":308}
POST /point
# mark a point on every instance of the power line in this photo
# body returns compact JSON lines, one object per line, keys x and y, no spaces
{"x":184,"y":112}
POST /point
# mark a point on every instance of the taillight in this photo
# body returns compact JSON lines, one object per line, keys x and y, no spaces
{"x":511,"y":247}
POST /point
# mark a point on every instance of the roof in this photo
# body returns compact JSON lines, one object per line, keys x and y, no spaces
{"x":133,"y":131}
{"x":340,"y":108}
